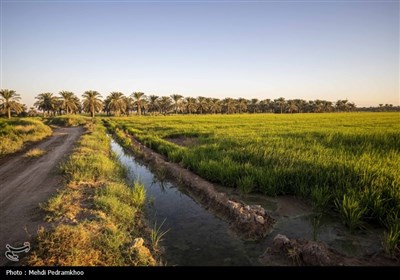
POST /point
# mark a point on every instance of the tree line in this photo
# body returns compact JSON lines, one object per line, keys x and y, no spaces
{"x":118,"y":104}
{"x":381,"y":108}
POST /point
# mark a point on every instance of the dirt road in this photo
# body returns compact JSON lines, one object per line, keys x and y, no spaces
{"x":26,"y":182}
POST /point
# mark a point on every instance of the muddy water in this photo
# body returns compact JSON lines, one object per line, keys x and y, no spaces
{"x":197,"y":237}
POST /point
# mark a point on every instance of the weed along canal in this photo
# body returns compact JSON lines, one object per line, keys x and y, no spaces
{"x":196,"y":236}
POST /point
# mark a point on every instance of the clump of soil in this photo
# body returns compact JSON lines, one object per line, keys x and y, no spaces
{"x":252,"y":221}
{"x":184,"y":141}
{"x":285,"y":251}
{"x":142,"y":253}
{"x":249,"y":221}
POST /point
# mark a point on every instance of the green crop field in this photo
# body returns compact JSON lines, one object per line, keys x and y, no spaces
{"x":348,"y":162}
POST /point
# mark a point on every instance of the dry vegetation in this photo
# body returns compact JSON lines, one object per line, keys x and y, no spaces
{"x":15,"y":133}
{"x":34,"y":153}
{"x":68,"y":120}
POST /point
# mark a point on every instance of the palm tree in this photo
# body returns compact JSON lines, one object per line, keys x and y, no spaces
{"x":176,"y":98}
{"x":202,"y":104}
{"x":138,"y":100}
{"x":22,"y":111}
{"x":214,"y":105}
{"x":229,"y":105}
{"x":281,"y":103}
{"x":91,"y":102}
{"x":328,"y":107}
{"x":116,"y":103}
{"x":46,"y":102}
{"x":153,"y":103}
{"x":9,"y":101}
{"x":242,"y":105}
{"x":32,"y":112}
{"x":301,"y":104}
{"x":318,"y":106}
{"x":58,"y":106}
{"x":68,"y":101}
{"x":130,"y":104}
{"x":292,"y":107}
{"x":191,"y":104}
{"x":265,"y":105}
{"x":351,"y":106}
{"x":254,"y":103}
{"x":165,"y":104}
{"x":77,"y":103}
{"x":341,"y":105}
{"x":106,"y":106}
{"x":145,"y":106}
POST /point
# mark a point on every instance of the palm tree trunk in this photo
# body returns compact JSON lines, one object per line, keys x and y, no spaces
{"x":9,"y":112}
{"x":92,"y":111}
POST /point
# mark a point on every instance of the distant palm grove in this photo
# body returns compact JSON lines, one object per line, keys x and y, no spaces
{"x":116,"y":103}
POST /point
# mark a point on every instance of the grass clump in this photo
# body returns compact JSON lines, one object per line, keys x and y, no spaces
{"x":68,"y":120}
{"x":65,"y":205}
{"x":16,"y":132}
{"x":67,"y":245}
{"x":90,"y":167}
{"x":157,"y":234}
{"x":34,"y":153}
{"x":122,"y":213}
{"x":391,"y":237}
{"x":138,"y":195}
{"x":351,"y":211}
{"x":391,"y":241}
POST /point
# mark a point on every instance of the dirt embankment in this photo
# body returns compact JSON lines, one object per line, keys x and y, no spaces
{"x":285,"y":251}
{"x":26,"y":182}
{"x":249,"y":221}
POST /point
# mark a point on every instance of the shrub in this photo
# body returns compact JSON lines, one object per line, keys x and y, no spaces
{"x":351,"y":211}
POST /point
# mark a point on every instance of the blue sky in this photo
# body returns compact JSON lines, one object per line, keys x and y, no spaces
{"x":295,"y":49}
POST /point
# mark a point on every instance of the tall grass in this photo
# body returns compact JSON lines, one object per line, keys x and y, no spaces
{"x":320,"y":198}
{"x":68,"y":120}
{"x":16,"y":132}
{"x":391,"y":240}
{"x":138,"y":194}
{"x":157,"y":234}
{"x":351,"y":211}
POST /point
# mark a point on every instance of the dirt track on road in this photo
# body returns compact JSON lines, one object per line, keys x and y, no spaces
{"x":26,"y":182}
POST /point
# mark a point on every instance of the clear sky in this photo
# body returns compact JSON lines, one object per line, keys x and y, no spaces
{"x":296,"y":49}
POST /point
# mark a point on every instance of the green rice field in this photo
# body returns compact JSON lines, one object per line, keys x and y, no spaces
{"x":346,"y":162}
